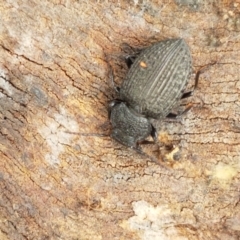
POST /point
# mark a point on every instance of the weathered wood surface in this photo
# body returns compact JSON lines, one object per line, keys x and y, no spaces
{"x":54,"y":80}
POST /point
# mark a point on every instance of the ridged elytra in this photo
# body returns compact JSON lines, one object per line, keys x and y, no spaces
{"x":154,"y":84}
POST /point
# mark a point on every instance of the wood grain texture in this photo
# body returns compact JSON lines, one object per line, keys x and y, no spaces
{"x":54,"y":82}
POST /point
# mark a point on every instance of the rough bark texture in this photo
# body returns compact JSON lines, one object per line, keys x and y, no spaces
{"x":54,"y":82}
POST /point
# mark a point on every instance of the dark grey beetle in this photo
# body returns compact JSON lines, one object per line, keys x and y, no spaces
{"x":153,"y":85}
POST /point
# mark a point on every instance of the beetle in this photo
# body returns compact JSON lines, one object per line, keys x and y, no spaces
{"x":154,"y":84}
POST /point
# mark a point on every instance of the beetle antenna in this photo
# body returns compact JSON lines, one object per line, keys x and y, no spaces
{"x":89,"y":134}
{"x":153,"y":159}
{"x":110,"y":73}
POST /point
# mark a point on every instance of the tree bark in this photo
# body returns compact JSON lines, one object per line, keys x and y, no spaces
{"x":61,"y":174}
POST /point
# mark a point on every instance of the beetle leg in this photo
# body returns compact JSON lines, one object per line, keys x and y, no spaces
{"x":117,"y":88}
{"x":174,"y":115}
{"x":130,"y":59}
{"x":199,"y":72}
{"x":133,"y":53}
{"x":133,"y":50}
{"x":154,"y":133}
{"x":186,"y":109}
{"x":147,"y":142}
{"x":190,"y":93}
{"x":137,"y":147}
